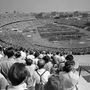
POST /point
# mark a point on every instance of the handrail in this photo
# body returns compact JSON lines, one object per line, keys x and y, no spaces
{"x":82,"y":68}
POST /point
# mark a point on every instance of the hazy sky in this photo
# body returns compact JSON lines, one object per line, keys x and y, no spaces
{"x":44,"y":5}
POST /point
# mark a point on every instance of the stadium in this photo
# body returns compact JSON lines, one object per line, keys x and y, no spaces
{"x":47,"y":31}
{"x":67,"y":33}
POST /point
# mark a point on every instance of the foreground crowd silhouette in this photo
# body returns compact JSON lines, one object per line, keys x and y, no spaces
{"x":22,"y":69}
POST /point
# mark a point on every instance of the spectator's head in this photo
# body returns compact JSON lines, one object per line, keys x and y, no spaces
{"x":17,"y":73}
{"x":17,"y":54}
{"x":46,"y":58}
{"x":54,"y":83}
{"x":69,"y":65}
{"x":9,"y":52}
{"x":41,"y":56}
{"x":36,"y":54}
{"x":28,"y":61}
{"x":31,"y":52}
{"x":21,"y":49}
{"x":69,"y":57}
{"x":57,"y":53}
{"x":41,"y":63}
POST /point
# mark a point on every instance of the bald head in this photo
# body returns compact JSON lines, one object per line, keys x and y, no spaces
{"x":41,"y":63}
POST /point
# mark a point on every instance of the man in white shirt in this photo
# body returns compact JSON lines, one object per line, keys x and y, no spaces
{"x":41,"y":71}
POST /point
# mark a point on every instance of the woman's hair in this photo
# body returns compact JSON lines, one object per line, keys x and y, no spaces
{"x":68,"y":66}
{"x":17,"y":73}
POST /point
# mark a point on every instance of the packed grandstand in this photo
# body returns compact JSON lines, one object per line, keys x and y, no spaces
{"x":55,"y":31}
{"x":37,"y":50}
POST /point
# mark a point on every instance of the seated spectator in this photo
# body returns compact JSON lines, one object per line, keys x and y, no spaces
{"x":70,"y":76}
{"x":17,"y":76}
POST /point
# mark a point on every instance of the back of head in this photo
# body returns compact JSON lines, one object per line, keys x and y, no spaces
{"x":69,"y":57}
{"x":69,"y":66}
{"x":17,"y":54}
{"x":28,"y":61}
{"x":17,"y":73}
{"x":54,"y":83}
{"x":31,"y":52}
{"x":57,"y":53}
{"x":36,"y":54}
{"x":41,"y":63}
{"x":46,"y":58}
{"x":9,"y":52}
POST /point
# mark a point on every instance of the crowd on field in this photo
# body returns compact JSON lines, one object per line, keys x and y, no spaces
{"x":22,"y":69}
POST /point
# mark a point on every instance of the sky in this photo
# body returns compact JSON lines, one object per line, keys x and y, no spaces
{"x":44,"y":5}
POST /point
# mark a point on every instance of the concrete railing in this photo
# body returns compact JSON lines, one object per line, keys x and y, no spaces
{"x":83,"y":84}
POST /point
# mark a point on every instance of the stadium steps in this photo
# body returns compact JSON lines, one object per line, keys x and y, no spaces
{"x":83,"y":84}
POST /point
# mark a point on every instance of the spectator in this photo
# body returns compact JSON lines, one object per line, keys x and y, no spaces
{"x":30,"y":66}
{"x":17,"y":75}
{"x":71,"y":58}
{"x":69,"y":76}
{"x":41,"y":72}
{"x":31,"y":56}
{"x":18,"y":57}
{"x":54,"y":83}
{"x":48,"y":64}
{"x":6,"y":64}
{"x":36,"y":54}
{"x":23,"y":53}
{"x":31,"y":69}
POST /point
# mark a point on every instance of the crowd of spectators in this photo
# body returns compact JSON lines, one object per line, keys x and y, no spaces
{"x":22,"y":69}
{"x":75,"y":51}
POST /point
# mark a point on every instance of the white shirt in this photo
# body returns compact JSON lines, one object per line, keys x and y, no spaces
{"x":18,"y":87}
{"x":45,"y":76}
{"x":1,"y":56}
{"x":23,"y":55}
